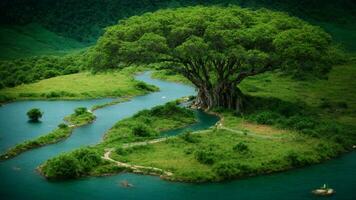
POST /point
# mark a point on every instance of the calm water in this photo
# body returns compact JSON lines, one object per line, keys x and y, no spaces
{"x":20,"y":181}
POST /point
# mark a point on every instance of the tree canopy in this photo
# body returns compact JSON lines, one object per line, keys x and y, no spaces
{"x":217,"y":47}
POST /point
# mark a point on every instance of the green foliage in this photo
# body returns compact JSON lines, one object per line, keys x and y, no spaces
{"x":141,"y":130}
{"x":145,"y":87}
{"x":189,"y":137}
{"x":87,"y":27}
{"x":80,"y":111}
{"x":29,"y":70}
{"x":229,"y":169}
{"x":63,"y":125}
{"x":62,"y":167}
{"x":71,"y":165}
{"x":34,"y":114}
{"x":206,"y":155}
{"x":297,"y":116}
{"x":81,"y":116}
{"x":261,"y":40}
{"x":147,"y":124}
{"x":241,"y":147}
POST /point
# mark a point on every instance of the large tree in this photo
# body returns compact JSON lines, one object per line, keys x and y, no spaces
{"x":216,"y":48}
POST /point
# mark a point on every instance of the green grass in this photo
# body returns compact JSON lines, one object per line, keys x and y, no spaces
{"x":81,"y":119}
{"x":53,"y":137}
{"x":339,"y":88}
{"x":80,"y":86}
{"x":33,"y":40}
{"x":157,"y":119}
{"x":212,"y":157}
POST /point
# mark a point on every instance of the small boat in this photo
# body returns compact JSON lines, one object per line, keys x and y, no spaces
{"x":125,"y":184}
{"x":324,"y":191}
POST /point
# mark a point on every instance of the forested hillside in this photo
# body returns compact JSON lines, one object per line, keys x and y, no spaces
{"x":84,"y":20}
{"x":17,"y":41}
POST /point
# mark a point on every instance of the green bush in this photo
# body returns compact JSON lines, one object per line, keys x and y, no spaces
{"x":188,"y":137}
{"x":71,"y":165}
{"x":62,"y":125}
{"x":34,"y":114}
{"x":264,"y":117}
{"x":62,"y":167}
{"x":227,"y":169}
{"x":80,"y":111}
{"x":143,"y":86}
{"x":241,"y":148}
{"x":298,"y":160}
{"x":141,"y":130}
{"x":206,"y":155}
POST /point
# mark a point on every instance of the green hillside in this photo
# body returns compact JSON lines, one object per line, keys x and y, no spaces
{"x":33,"y":40}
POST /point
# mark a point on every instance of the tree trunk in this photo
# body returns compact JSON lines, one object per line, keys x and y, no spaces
{"x":223,"y":95}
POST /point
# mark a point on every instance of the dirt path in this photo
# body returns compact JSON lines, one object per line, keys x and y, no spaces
{"x":137,"y":168}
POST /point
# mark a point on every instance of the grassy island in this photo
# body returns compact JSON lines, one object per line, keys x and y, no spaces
{"x":80,"y":117}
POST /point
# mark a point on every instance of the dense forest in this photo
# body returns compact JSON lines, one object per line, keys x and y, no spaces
{"x":85,"y":20}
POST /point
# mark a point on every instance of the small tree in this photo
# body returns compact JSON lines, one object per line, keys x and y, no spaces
{"x":34,"y":114}
{"x":80,"y":110}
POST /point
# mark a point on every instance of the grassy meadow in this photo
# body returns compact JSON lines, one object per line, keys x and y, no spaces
{"x":33,"y":40}
{"x":80,"y":86}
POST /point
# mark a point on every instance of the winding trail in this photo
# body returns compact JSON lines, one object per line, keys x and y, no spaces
{"x":137,"y":168}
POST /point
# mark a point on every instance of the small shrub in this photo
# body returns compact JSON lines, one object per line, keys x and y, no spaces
{"x":206,"y":155}
{"x":80,"y":111}
{"x":298,"y":160}
{"x":34,"y":114}
{"x":62,"y":125}
{"x":121,"y":151}
{"x":226,"y":169}
{"x":265,"y":117}
{"x":241,"y":148}
{"x":143,"y":86}
{"x":62,"y":167}
{"x":188,"y":137}
{"x":141,"y":130}
{"x":231,"y":169}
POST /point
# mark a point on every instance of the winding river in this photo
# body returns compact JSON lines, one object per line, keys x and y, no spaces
{"x":19,"y":180}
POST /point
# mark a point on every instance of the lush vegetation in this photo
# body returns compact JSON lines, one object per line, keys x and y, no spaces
{"x":272,"y":136}
{"x":79,"y":86}
{"x":216,"y":48}
{"x":34,"y":114}
{"x":88,"y":18}
{"x":62,"y":132}
{"x":143,"y":126}
{"x":19,"y":41}
{"x":28,"y":70}
{"x":78,"y":163}
{"x":147,"y":124}
{"x":221,"y":154}
{"x":81,"y":116}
